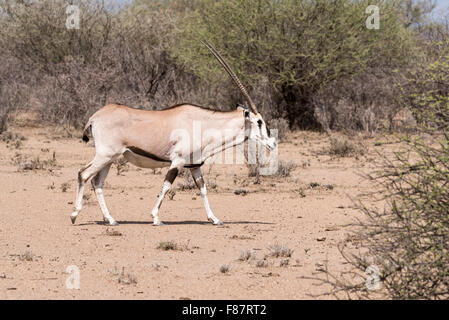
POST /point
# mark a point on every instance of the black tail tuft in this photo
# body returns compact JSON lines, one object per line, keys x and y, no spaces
{"x":87,"y":131}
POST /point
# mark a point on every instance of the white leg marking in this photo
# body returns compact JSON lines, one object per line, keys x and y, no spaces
{"x":97,"y":183}
{"x":84,"y":175}
{"x":165,"y":187}
{"x":169,"y":178}
{"x":198,"y":177}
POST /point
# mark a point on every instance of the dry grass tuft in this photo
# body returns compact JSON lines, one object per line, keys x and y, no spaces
{"x":27,"y":256}
{"x":285,"y":168}
{"x":12,"y":139}
{"x":188,"y":183}
{"x":224,"y":268}
{"x":122,"y":277}
{"x":167,"y":245}
{"x":284,"y":262}
{"x":127,"y":278}
{"x":65,"y":186}
{"x":247,"y":255}
{"x":171,"y":194}
{"x":241,"y":237}
{"x":343,"y":147}
{"x":113,"y":233}
{"x":242,"y":192}
{"x":278,"y":250}
{"x":212,"y":184}
{"x":262,"y":263}
{"x":24,"y":163}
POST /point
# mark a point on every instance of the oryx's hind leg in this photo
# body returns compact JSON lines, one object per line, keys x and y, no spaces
{"x":169,"y":178}
{"x":198,"y":177}
{"x":84,"y":174}
{"x":97,"y":184}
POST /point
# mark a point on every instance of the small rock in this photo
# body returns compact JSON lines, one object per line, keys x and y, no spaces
{"x":242,"y":192}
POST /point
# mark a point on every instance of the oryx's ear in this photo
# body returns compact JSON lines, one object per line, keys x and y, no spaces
{"x":244,"y":109}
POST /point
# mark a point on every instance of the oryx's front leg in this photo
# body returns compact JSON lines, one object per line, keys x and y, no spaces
{"x":169,"y":178}
{"x":198,"y":177}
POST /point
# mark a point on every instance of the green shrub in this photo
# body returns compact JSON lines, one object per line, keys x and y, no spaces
{"x":426,"y":91}
{"x":299,"y":46}
{"x":409,"y":240}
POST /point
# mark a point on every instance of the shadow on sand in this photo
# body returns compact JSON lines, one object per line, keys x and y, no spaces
{"x":168,"y":223}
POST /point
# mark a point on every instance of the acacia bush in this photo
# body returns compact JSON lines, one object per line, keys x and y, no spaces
{"x":299,"y":46}
{"x":367,"y":102}
{"x":408,"y":241}
{"x":55,"y":59}
{"x":426,"y":91}
{"x":14,"y":89}
{"x":115,"y":56}
{"x":312,"y":63}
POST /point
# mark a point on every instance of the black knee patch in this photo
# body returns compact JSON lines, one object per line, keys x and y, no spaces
{"x":199,"y":182}
{"x":94,"y":181}
{"x":171,"y":175}
{"x":80,"y":179}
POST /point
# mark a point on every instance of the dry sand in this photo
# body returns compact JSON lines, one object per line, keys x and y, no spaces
{"x":38,"y":241}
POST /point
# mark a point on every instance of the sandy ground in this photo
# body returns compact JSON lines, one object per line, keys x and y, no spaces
{"x":38,"y":241}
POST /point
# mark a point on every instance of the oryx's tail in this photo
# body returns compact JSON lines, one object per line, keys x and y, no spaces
{"x":87,"y":130}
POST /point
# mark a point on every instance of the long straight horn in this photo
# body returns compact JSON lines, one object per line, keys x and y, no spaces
{"x":232,"y":75}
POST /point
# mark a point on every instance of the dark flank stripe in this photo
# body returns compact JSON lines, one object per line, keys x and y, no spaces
{"x":146,"y":154}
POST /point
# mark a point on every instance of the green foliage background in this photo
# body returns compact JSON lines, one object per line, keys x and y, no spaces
{"x":299,"y":46}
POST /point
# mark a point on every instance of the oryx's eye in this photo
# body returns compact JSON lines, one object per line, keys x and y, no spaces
{"x":268,"y":132}
{"x":259,"y":122}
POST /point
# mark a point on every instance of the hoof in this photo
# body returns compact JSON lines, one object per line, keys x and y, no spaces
{"x":216,"y":223}
{"x":73,"y":219}
{"x":113,"y":223}
{"x":158,"y":224}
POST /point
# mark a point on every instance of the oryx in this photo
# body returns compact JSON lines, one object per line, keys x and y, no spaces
{"x":155,"y":139}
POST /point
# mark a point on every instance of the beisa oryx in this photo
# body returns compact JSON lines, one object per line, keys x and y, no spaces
{"x":165,"y":138}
